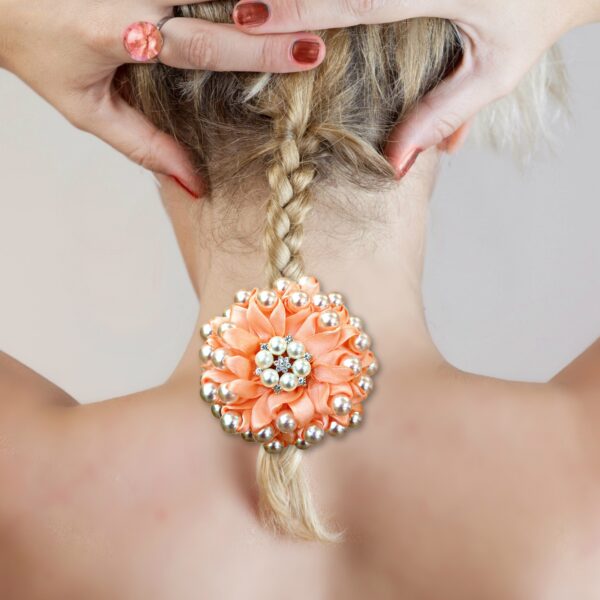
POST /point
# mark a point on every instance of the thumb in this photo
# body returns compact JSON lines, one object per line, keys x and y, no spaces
{"x":439,"y":115}
{"x":116,"y":122}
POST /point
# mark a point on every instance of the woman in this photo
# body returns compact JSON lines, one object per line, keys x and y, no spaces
{"x":462,"y":486}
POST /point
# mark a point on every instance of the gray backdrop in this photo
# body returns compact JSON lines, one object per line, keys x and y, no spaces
{"x":94,"y":296}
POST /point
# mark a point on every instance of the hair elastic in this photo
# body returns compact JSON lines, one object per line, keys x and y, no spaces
{"x":287,"y":364}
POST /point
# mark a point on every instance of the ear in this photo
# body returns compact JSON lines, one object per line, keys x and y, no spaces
{"x":453,"y":143}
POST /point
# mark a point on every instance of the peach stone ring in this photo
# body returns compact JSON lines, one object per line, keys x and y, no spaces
{"x":143,"y":41}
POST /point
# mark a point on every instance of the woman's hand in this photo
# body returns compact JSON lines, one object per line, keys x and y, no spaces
{"x":502,"y":40}
{"x":68,"y":52}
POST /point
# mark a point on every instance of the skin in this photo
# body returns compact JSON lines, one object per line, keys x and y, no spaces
{"x":68,"y":52}
{"x":457,"y":486}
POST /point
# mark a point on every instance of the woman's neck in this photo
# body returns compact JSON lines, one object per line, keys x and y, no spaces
{"x":375,"y":262}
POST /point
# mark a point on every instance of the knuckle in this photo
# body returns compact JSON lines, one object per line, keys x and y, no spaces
{"x":270,"y":51}
{"x":361,"y":8}
{"x":202,"y":51}
{"x":445,"y":125}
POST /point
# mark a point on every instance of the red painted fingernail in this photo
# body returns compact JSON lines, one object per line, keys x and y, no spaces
{"x":180,"y":183}
{"x":407,"y":164}
{"x":306,"y":51}
{"x":251,"y":14}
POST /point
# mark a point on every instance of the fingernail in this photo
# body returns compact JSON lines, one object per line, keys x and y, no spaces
{"x":251,"y":14}
{"x":182,"y":185}
{"x":306,"y":51}
{"x":408,"y":162}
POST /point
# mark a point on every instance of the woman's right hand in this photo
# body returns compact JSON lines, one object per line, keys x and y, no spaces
{"x":68,"y":52}
{"x":502,"y":40}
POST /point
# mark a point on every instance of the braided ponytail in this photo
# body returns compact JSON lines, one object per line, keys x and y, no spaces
{"x":285,"y":501}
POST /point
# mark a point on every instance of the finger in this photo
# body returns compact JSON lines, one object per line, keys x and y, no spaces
{"x":128,"y":131}
{"x":279,"y":16}
{"x":197,"y":44}
{"x":441,"y":113}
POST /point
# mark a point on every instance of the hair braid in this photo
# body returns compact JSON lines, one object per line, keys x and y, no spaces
{"x":286,"y":503}
{"x":290,"y":173}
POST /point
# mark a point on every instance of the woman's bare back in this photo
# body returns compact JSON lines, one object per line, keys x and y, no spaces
{"x":461,"y":487}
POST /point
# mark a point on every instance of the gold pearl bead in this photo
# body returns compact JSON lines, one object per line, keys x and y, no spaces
{"x":208,"y":392}
{"x":242,"y":297}
{"x":329,"y":319}
{"x":282,"y":284}
{"x":356,"y":322}
{"x":206,"y":330}
{"x":365,"y":383}
{"x":230,"y":422}
{"x":218,"y":357}
{"x":336,"y":299}
{"x":361,"y":343}
{"x":226,"y":395}
{"x":267,"y":298}
{"x":299,"y":299}
{"x":320,"y":301}
{"x":274,"y":447}
{"x":355,"y":420}
{"x":206,"y":353}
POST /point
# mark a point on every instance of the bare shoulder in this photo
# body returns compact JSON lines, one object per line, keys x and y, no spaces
{"x":21,"y":386}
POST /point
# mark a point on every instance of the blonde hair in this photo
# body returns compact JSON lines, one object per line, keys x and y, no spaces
{"x":300,"y":130}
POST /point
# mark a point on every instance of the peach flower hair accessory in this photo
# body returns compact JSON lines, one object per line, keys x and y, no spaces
{"x":285,"y":365}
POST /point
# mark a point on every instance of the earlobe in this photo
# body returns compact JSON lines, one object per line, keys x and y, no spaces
{"x":453,"y":143}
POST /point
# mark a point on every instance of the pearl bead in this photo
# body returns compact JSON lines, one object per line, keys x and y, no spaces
{"x":206,"y":330}
{"x":299,"y":299}
{"x":218,"y":357}
{"x":208,"y":392}
{"x":277,"y":345}
{"x":356,"y":322}
{"x":286,"y":422}
{"x":335,"y":429}
{"x":223,"y":327}
{"x":274,"y":447}
{"x":269,"y":378}
{"x":373,"y":368}
{"x":329,"y":319}
{"x":265,"y":435}
{"x":306,"y":281}
{"x":205,"y":352}
{"x":355,"y":419}
{"x":353,"y":364}
{"x":242,"y":297}
{"x":230,"y":422}
{"x":365,"y":383}
{"x":361,"y":343}
{"x":264,"y":359}
{"x":296,"y":349}
{"x":248,"y":436}
{"x":314,"y":434}
{"x":302,"y":444}
{"x":336,"y":299}
{"x":288,"y":382}
{"x":226,"y":394}
{"x":267,"y":298}
{"x":341,"y":405}
{"x":320,"y":301}
{"x":282,"y":284}
{"x":301,"y":367}
{"x":216,"y":409}
{"x":227,"y":313}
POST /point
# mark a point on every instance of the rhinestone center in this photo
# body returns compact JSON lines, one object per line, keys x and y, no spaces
{"x":283,"y":364}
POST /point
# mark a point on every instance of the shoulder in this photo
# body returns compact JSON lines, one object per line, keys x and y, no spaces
{"x":21,"y":387}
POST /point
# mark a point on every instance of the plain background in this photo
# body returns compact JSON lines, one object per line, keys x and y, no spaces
{"x":94,"y":295}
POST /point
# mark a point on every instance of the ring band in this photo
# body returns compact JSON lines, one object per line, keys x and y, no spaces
{"x":143,"y":41}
